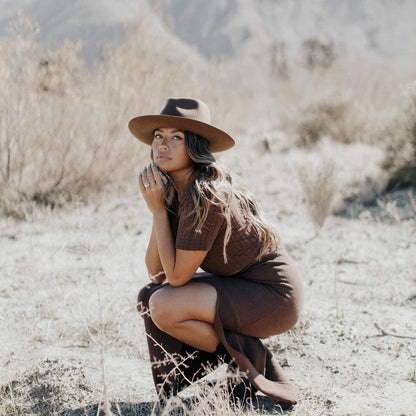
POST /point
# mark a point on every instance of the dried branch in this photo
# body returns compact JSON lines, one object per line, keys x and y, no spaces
{"x":384,"y":333}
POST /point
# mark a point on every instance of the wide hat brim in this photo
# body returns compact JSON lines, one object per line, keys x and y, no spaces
{"x":143,"y":128}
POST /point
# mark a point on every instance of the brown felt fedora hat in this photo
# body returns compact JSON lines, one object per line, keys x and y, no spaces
{"x":184,"y":114}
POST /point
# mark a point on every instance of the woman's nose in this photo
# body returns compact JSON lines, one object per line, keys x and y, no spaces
{"x":163,"y":143}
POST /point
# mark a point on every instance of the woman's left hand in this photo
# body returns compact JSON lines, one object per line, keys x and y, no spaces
{"x":151,"y":182}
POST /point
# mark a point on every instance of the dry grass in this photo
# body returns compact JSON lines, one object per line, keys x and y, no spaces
{"x":334,"y":117}
{"x":344,"y":103}
{"x":50,"y":152}
{"x":205,"y":396}
{"x":319,"y":187}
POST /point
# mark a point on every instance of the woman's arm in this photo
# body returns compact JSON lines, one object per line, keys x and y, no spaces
{"x":152,"y":259}
{"x":178,"y":265}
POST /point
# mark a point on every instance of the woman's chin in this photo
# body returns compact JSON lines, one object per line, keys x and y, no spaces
{"x":162,"y":169}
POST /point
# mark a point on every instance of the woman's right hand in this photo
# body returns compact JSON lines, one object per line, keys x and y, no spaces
{"x":151,"y":182}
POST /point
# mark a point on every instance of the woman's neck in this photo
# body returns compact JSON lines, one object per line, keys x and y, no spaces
{"x":181,"y":181}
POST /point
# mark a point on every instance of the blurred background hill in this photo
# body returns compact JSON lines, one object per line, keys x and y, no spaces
{"x":95,"y":24}
{"x":251,"y":32}
{"x":376,"y":29}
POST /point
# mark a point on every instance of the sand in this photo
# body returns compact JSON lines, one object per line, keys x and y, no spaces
{"x":68,"y":289}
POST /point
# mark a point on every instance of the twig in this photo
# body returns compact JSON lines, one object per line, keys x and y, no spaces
{"x":385,"y":333}
{"x":102,"y":346}
{"x":343,"y":260}
{"x":175,"y":370}
{"x":171,"y":358}
{"x":74,"y":346}
{"x":348,"y":282}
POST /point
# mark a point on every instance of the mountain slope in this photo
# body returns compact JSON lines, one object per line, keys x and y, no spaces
{"x":95,"y":23}
{"x":237,"y":29}
{"x":376,"y":29}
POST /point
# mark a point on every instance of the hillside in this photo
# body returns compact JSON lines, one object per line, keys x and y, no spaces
{"x":230,"y":27}
{"x":93,"y":23}
{"x":239,"y":29}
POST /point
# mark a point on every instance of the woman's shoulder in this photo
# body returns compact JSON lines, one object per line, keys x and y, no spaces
{"x":214,"y":198}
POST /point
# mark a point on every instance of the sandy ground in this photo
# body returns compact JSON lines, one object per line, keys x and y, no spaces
{"x":69,"y":280}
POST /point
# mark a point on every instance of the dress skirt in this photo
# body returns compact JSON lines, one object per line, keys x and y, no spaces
{"x":265,"y":299}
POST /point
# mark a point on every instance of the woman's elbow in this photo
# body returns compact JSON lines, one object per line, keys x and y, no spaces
{"x":177,"y":281}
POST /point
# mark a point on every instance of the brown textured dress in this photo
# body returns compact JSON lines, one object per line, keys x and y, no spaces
{"x":255,"y":299}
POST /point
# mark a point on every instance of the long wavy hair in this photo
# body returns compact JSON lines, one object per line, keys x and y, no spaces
{"x":212,"y":184}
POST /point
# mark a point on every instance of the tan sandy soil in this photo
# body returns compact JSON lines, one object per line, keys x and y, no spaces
{"x":69,"y":282}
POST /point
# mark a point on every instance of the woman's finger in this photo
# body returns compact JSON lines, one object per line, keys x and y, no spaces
{"x":144,"y":180}
{"x":148,"y":179}
{"x":157,"y":175}
{"x":150,"y":175}
{"x":141,"y":182}
{"x":144,"y":175}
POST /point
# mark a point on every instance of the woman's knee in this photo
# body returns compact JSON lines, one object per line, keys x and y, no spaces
{"x":161,"y":311}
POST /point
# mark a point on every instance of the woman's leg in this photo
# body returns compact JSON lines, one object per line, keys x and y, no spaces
{"x":174,"y":364}
{"x":187,"y":313}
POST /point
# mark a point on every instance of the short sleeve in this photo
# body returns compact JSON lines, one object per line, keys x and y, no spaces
{"x":188,"y":238}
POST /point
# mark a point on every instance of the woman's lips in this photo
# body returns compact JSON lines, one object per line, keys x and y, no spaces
{"x":162,"y":157}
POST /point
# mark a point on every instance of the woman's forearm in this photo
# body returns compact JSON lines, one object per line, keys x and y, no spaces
{"x":165,"y":243}
{"x":152,"y":259}
{"x":179,"y":265}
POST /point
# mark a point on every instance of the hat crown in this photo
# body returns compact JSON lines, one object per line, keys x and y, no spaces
{"x":187,"y":108}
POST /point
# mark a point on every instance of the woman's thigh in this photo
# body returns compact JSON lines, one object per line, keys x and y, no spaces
{"x":195,"y":300}
{"x":251,"y":308}
{"x":274,"y":322}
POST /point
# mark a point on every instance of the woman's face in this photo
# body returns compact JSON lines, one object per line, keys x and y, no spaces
{"x":169,"y":150}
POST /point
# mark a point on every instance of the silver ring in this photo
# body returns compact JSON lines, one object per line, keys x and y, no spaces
{"x":146,"y":185}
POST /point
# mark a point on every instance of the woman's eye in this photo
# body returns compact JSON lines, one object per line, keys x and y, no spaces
{"x":159,"y":136}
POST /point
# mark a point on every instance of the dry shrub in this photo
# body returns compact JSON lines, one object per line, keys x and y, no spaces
{"x":318,"y":53}
{"x":334,"y":116}
{"x":61,"y":134}
{"x":63,"y":130}
{"x":346,"y":102}
{"x":400,"y":138}
{"x":318,"y":185}
{"x":211,"y":396}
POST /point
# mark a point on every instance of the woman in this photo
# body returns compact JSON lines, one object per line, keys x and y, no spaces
{"x":249,"y":288}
